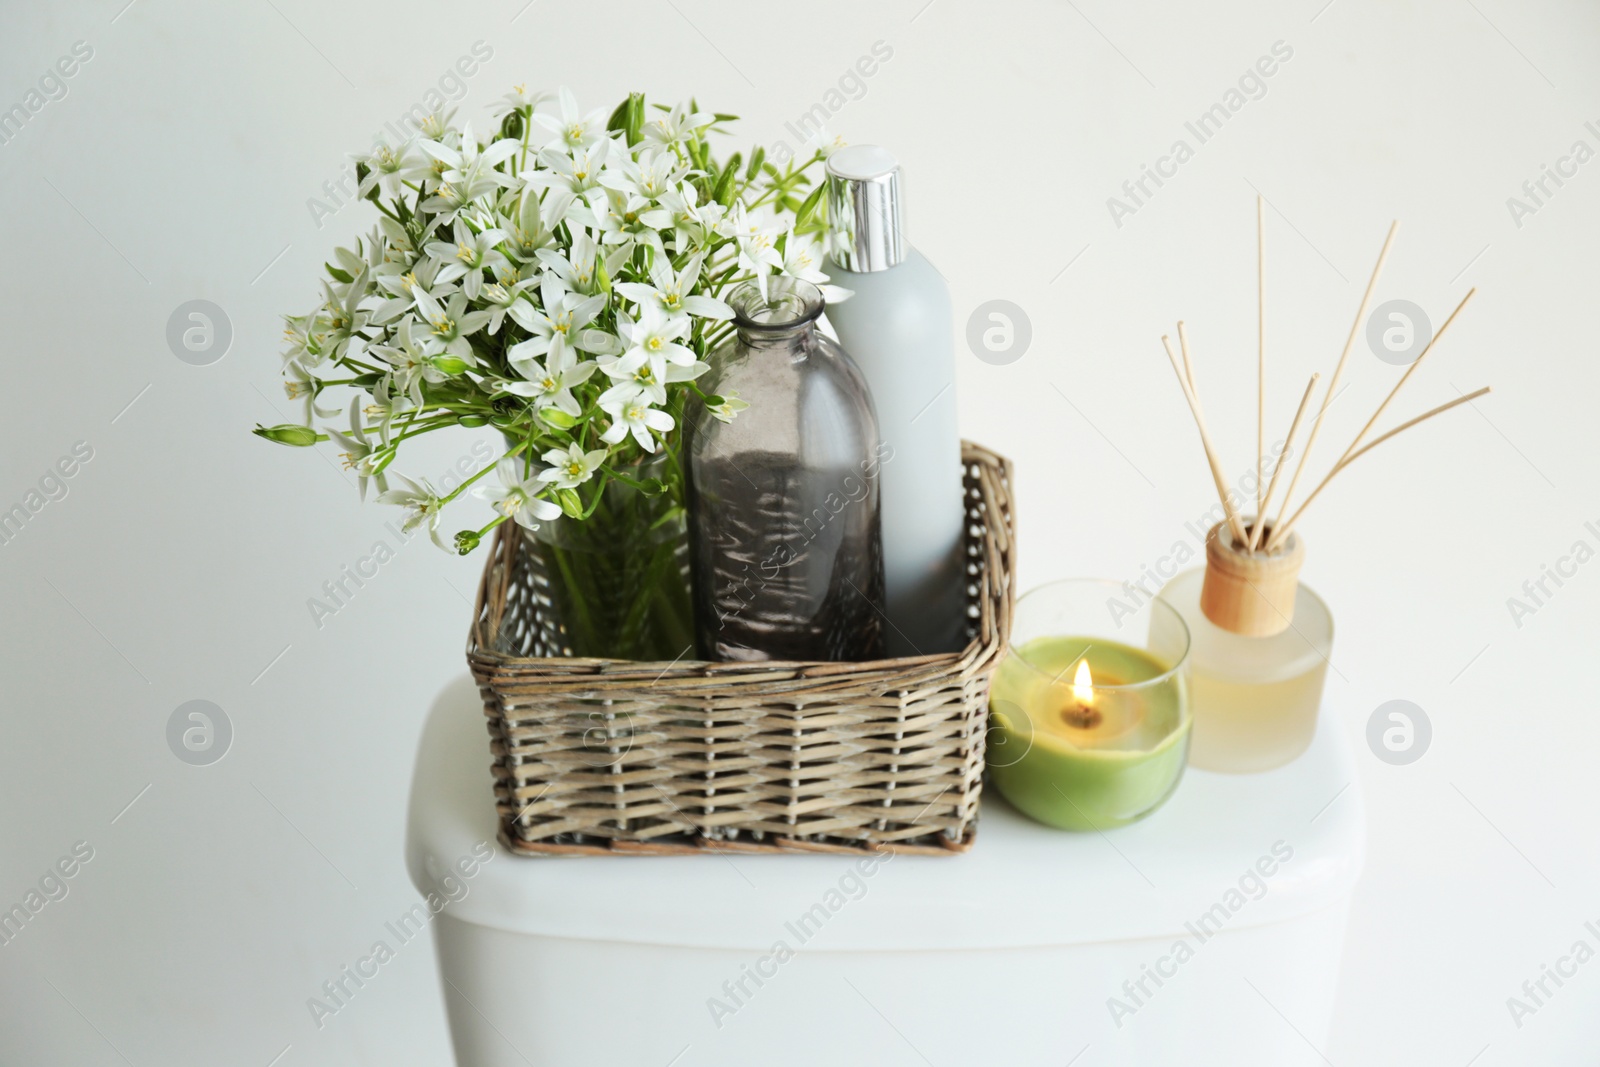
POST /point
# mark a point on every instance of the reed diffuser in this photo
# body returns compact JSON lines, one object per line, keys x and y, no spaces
{"x":1261,"y":639}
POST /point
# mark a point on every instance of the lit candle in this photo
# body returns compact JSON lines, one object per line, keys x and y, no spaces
{"x":1087,"y":732}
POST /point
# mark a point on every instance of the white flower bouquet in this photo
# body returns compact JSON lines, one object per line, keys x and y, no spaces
{"x":561,"y":282}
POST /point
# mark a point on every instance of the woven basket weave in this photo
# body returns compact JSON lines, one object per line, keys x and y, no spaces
{"x":611,"y":756}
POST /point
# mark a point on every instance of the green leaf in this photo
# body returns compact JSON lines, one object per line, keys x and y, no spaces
{"x":290,"y":433}
{"x":362,"y":170}
{"x":670,"y":515}
{"x":367,"y":380}
{"x":557,"y":418}
{"x":337,"y":274}
{"x":723,"y":117}
{"x":619,"y":118}
{"x":757,"y":157}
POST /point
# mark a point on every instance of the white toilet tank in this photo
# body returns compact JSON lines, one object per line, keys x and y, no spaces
{"x":1210,"y":933}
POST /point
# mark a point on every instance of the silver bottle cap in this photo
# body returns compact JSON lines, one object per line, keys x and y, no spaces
{"x":864,"y":226}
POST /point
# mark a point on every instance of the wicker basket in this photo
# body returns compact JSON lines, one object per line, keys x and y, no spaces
{"x":610,"y":756}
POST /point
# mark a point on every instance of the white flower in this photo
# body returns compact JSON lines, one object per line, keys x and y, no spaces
{"x":422,"y":503}
{"x":359,"y":454}
{"x":411,"y":362}
{"x":670,"y":289}
{"x":527,"y":233}
{"x":576,"y":269}
{"x":468,"y":258}
{"x":638,"y":374}
{"x":468,"y":172}
{"x":353,"y":263}
{"x":386,"y":405}
{"x":436,"y":126}
{"x":656,"y":334}
{"x":577,"y":172}
{"x":623,"y":218}
{"x":403,"y":289}
{"x":550,"y":383}
{"x":572,"y":466}
{"x":516,"y":497}
{"x":694,"y":224}
{"x":452,"y":325}
{"x":731,"y":405}
{"x":801,"y":258}
{"x":650,"y":177}
{"x":571,"y":129}
{"x":344,"y":319}
{"x":505,"y":296}
{"x":560,"y":325}
{"x":301,"y":384}
{"x":676,"y":125}
{"x":758,"y":252}
{"x":305,"y":335}
{"x":519,"y":98}
{"x":632,"y":414}
{"x":390,"y":167}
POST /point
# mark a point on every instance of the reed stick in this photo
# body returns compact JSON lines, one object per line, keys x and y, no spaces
{"x":1280,"y":531}
{"x":1374,"y":443}
{"x":1261,"y":355}
{"x":1288,"y":447}
{"x":1338,"y":372}
{"x":1404,"y":377}
{"x":1185,"y":375}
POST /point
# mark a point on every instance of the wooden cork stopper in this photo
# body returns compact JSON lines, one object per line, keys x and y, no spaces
{"x":1250,"y":593}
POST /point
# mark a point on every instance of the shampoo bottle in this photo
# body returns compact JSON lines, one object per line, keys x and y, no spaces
{"x":898,"y":328}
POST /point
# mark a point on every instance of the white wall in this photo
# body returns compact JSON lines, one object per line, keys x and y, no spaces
{"x":179,"y":167}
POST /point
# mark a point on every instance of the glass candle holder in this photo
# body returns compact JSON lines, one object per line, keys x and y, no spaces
{"x":1089,"y":715}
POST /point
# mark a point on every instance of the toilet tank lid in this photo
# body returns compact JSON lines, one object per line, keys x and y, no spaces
{"x":1225,"y":852}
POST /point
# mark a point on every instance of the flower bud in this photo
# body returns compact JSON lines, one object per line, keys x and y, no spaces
{"x":290,"y":433}
{"x":447,"y":364}
{"x":570,"y":503}
{"x":557,"y":418}
{"x":466,"y":541}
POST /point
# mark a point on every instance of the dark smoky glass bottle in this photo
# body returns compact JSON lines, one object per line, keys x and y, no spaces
{"x":783,"y":497}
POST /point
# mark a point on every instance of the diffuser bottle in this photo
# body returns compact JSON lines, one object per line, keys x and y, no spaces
{"x":783,"y":499}
{"x":897,"y":326}
{"x":1259,"y":654}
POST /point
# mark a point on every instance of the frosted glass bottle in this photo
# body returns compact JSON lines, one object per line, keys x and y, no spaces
{"x":1255,"y":695}
{"x":898,"y":329}
{"x":784,"y":532}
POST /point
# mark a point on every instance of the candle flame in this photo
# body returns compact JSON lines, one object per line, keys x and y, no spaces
{"x":1083,"y":684}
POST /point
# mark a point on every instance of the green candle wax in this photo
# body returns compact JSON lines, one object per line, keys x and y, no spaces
{"x":1086,"y":752}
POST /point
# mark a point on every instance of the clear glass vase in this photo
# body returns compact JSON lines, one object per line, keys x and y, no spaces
{"x":785,"y":527}
{"x":619,"y":579}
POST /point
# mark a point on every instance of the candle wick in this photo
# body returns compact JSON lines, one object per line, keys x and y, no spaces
{"x":1081,"y":716}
